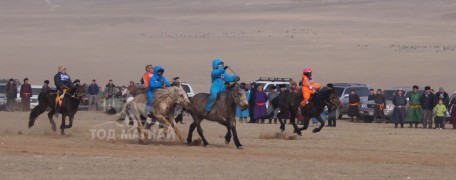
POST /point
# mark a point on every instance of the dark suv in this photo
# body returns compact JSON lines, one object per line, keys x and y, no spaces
{"x":344,"y":89}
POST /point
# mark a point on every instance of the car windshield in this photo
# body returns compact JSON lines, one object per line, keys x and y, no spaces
{"x":389,"y":94}
{"x":2,"y":89}
{"x":339,"y":91}
{"x":186,"y":88}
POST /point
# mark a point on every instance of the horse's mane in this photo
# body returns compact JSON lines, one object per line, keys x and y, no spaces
{"x":160,"y":95}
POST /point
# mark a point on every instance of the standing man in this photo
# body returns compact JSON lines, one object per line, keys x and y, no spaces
{"x":11,"y":95}
{"x":372,"y":95}
{"x":26,"y":93}
{"x":427,"y":105}
{"x":414,"y":114}
{"x":93,"y":93}
{"x":380,"y":102}
{"x":109,"y":94}
{"x":332,"y":109}
{"x":45,"y":87}
{"x":353,"y":108}
{"x":399,"y":102}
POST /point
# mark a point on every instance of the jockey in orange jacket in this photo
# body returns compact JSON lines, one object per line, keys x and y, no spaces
{"x":146,"y":77}
{"x":308,"y":86}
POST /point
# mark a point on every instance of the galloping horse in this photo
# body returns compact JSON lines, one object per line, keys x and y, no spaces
{"x":223,"y":112}
{"x":290,"y":102}
{"x":69,"y":107}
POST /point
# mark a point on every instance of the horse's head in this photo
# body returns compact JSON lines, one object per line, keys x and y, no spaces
{"x":181,"y":95}
{"x":239,"y":96}
{"x":81,"y":93}
{"x":330,"y":98}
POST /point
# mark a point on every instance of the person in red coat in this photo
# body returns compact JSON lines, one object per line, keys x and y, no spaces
{"x":26,"y":93}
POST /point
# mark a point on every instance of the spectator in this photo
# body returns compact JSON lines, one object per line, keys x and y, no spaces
{"x":101,"y":100}
{"x":26,"y":93}
{"x":272,"y":111}
{"x":453,"y":112}
{"x":253,"y":88}
{"x":427,"y":105}
{"x":353,"y":108}
{"x":282,"y":91}
{"x":132,"y":88}
{"x":294,"y":87}
{"x":414,"y":114}
{"x":332,"y":110}
{"x":11,"y":95}
{"x":380,"y":102}
{"x":445,"y":98}
{"x":260,"y":105}
{"x":109,"y":94}
{"x":242,"y":115}
{"x":399,"y":102}
{"x":439,"y":110}
{"x":93,"y":95}
{"x":372,"y":95}
{"x":45,"y":87}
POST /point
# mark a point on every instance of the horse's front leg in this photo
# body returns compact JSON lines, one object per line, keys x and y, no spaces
{"x":282,"y":125}
{"x":163,"y":120}
{"x":176,"y":129}
{"x":293,"y":121}
{"x":322,"y":124}
{"x":62,"y":126}
{"x":233,"y":129}
{"x":228,"y":133}
{"x":51,"y":119}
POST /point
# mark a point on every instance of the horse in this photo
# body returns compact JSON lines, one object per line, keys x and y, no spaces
{"x":69,"y":107}
{"x":162,"y":109}
{"x":223,"y":112}
{"x":289,"y":102}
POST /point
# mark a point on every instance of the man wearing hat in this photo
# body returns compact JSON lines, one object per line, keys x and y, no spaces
{"x":45,"y":87}
{"x":427,"y":105}
{"x":26,"y":93}
{"x":62,"y":81}
{"x":11,"y":94}
{"x":399,"y":102}
{"x":414,"y":109}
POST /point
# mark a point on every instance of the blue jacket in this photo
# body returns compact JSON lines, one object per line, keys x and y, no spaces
{"x":61,"y":80}
{"x":93,"y":89}
{"x":219,"y":77}
{"x":156,"y":81}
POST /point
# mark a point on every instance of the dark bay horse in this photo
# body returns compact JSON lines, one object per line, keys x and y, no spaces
{"x":70,"y":105}
{"x":223,"y":112}
{"x":290,"y":103}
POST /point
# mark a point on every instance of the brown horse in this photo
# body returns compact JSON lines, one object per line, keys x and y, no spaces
{"x":223,"y":112}
{"x":69,"y":107}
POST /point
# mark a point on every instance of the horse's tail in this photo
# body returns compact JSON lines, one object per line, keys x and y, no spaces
{"x":38,"y":110}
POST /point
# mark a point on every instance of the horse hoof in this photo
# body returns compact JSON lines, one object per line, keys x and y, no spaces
{"x":227,"y":142}
{"x":282,"y":130}
{"x":315,"y":130}
{"x":240,"y":147}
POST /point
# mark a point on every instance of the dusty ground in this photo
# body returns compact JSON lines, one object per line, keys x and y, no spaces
{"x":349,"y":151}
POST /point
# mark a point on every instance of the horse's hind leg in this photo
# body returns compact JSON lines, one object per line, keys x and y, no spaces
{"x":200,"y":132}
{"x":35,"y":113}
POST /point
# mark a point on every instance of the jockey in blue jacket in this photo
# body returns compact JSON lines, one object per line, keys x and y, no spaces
{"x":155,"y":82}
{"x":219,"y":77}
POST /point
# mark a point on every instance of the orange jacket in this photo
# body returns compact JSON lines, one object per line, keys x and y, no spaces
{"x":146,"y":78}
{"x":305,"y":87}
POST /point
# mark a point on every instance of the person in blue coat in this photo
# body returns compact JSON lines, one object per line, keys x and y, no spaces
{"x":155,"y":82}
{"x":219,"y":77}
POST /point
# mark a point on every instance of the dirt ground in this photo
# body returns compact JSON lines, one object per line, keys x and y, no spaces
{"x":349,"y":151}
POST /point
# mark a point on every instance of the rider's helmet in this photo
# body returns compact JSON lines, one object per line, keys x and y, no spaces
{"x":307,"y":70}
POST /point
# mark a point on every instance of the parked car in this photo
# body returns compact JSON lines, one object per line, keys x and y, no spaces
{"x":36,"y":90}
{"x":453,"y":96}
{"x":367,"y":108}
{"x":188,"y":89}
{"x":343,"y":91}
{"x":268,"y":82}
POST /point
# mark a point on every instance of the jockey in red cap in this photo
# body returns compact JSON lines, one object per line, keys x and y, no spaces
{"x":308,"y":86}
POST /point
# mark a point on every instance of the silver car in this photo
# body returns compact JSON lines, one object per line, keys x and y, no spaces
{"x":343,"y":91}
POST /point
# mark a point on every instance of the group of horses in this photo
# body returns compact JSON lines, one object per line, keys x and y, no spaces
{"x":167,"y":98}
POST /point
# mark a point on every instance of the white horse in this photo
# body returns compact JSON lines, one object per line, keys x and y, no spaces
{"x":162,"y":109}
